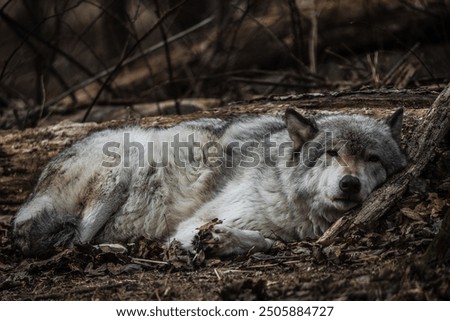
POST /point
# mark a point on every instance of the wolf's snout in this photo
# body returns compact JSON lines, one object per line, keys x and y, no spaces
{"x":350,"y":184}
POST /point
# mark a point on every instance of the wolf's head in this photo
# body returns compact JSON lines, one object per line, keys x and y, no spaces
{"x":342,"y":158}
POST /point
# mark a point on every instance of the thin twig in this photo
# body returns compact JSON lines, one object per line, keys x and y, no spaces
{"x":217,"y":274}
{"x":262,"y":266}
{"x":82,"y":290}
{"x":314,"y":35}
{"x":44,"y":95}
{"x":139,"y":260}
{"x":373,"y":65}
{"x":272,"y":83}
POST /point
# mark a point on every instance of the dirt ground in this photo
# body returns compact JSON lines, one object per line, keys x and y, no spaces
{"x":381,"y":263}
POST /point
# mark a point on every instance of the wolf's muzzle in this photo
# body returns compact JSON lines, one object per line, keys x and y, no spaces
{"x":350,"y":184}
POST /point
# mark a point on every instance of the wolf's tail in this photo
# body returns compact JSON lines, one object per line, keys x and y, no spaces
{"x":42,"y":232}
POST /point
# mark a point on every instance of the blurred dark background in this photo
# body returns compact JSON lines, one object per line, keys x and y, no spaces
{"x":99,"y":60}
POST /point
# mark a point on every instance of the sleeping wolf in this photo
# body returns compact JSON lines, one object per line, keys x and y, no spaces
{"x":264,"y":178}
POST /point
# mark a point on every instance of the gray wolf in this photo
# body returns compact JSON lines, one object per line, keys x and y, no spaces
{"x":264,"y":178}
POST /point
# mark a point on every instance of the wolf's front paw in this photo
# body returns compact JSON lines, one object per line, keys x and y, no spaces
{"x":218,"y":241}
{"x":215,"y":239}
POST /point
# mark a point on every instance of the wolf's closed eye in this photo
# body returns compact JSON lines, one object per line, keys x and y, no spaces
{"x":333,"y":153}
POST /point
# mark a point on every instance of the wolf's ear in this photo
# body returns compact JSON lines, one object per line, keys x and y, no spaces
{"x":395,"y":122}
{"x":300,"y":129}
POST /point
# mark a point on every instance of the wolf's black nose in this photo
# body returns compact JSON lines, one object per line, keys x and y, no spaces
{"x":350,"y":184}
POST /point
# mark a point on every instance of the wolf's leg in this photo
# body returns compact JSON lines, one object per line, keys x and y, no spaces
{"x":97,"y":217}
{"x":48,"y":220}
{"x":186,"y":232}
{"x":39,"y":227}
{"x":113,"y":196}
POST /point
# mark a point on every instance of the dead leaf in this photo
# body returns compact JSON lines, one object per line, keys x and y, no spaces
{"x":437,"y":204}
{"x":409,"y":213}
{"x":177,"y":257}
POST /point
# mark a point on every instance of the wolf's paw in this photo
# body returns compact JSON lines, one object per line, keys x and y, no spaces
{"x":215,"y":239}
{"x":218,"y":240}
